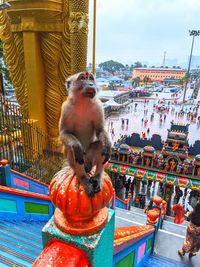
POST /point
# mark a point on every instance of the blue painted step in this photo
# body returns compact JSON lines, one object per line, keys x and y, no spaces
{"x":159,"y":261}
{"x":20,"y":243}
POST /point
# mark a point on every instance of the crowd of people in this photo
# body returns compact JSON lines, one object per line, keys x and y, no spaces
{"x":185,"y":203}
{"x":159,"y":111}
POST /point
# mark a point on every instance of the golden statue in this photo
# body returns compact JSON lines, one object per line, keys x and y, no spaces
{"x":44,"y":42}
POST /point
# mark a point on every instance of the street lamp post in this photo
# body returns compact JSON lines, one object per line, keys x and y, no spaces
{"x":193,"y":33}
{"x":94,"y":38}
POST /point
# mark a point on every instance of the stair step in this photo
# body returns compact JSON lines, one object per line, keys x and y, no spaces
{"x":5,"y":262}
{"x":20,"y":243}
{"x":12,"y":237}
{"x":16,"y":253}
{"x":15,"y":258}
{"x":160,"y":261}
{"x":19,"y":248}
{"x":20,"y":233}
{"x":28,"y":229}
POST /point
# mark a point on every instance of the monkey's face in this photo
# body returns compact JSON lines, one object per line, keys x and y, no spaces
{"x":82,"y":83}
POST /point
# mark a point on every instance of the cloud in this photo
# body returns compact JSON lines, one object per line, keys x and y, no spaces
{"x":131,"y":30}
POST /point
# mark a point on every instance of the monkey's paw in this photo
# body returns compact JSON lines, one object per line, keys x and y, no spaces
{"x":97,"y":185}
{"x":88,"y":186}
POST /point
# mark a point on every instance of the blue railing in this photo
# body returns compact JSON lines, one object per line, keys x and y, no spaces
{"x":17,"y":180}
{"x":120,"y":203}
{"x":21,"y":205}
{"x":135,"y":252}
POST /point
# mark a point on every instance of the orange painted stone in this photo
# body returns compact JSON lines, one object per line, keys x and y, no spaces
{"x":4,"y":162}
{"x":60,"y":254}
{"x":124,"y":234}
{"x":157,"y":200}
{"x":77,"y":213}
{"x":152,"y":216}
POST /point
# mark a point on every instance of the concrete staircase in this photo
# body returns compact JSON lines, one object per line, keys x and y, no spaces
{"x":168,"y":239}
{"x":20,"y":243}
{"x":159,"y":261}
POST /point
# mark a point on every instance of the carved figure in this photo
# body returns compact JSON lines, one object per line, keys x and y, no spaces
{"x":175,"y":146}
{"x":198,"y":171}
{"x":178,"y":168}
{"x":172,"y":165}
{"x":82,"y":131}
{"x":148,"y":161}
{"x":166,"y":168}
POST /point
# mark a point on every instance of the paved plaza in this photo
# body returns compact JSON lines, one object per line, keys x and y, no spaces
{"x":135,"y":115}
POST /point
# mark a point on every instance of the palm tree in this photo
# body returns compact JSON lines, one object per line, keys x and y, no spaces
{"x":136,"y":82}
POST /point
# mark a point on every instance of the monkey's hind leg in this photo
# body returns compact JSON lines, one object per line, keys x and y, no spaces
{"x":79,"y":170}
{"x":94,"y":157}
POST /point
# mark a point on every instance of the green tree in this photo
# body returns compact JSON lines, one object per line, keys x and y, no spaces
{"x":136,"y":82}
{"x":182,"y":80}
{"x":137,"y":64}
{"x":111,"y":66}
{"x":131,"y":67}
{"x":147,"y":80}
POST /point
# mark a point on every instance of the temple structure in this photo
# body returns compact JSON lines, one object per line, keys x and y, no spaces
{"x":44,"y":42}
{"x":172,"y":165}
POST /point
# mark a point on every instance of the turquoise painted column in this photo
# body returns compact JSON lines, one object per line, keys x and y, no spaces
{"x":98,"y":246}
{"x":5,"y":173}
{"x":80,"y":221}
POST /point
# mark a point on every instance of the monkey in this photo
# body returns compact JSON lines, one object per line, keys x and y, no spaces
{"x":82,"y":131}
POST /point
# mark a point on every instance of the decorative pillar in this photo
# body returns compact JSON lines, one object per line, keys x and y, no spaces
{"x":44,"y":42}
{"x":5,"y":173}
{"x":83,"y":222}
{"x":78,"y":26}
{"x":35,"y":77}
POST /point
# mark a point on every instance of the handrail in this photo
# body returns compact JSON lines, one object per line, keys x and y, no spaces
{"x":57,"y":253}
{"x":25,"y":146}
{"x":133,"y":243}
{"x":14,"y":191}
{"x":21,"y":205}
{"x":28,"y":177}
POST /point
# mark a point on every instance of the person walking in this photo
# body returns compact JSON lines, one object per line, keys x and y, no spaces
{"x":191,"y":243}
{"x":112,"y":132}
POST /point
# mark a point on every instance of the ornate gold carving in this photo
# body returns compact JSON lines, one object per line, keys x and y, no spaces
{"x":79,"y":5}
{"x":38,"y":27}
{"x":65,"y":59}
{"x":13,"y":51}
{"x":50,"y":50}
{"x":62,"y":26}
{"x":78,"y":22}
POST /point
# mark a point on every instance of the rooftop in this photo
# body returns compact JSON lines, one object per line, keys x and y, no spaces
{"x":110,"y":93}
{"x":160,"y":69}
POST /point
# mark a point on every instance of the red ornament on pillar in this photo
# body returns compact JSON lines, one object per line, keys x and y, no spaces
{"x":157,"y":200}
{"x":76,"y":213}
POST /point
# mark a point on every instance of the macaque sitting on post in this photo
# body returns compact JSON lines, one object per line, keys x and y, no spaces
{"x":82,"y":131}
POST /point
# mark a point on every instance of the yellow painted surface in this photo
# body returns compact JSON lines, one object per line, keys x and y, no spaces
{"x":43,"y":45}
{"x":35,"y":78}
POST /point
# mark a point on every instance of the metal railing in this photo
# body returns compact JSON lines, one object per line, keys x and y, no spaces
{"x":23,"y":144}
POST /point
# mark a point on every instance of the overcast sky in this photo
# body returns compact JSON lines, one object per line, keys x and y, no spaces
{"x":141,"y":30}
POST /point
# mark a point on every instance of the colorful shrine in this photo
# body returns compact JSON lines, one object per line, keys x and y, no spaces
{"x":172,"y":165}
